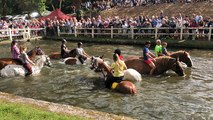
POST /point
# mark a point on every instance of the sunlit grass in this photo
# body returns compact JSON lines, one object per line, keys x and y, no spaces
{"x":13,"y":111}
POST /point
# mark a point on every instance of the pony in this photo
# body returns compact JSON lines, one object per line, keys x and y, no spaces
{"x":163,"y":64}
{"x":18,"y":70}
{"x":7,"y":61}
{"x":57,"y":55}
{"x":125,"y":86}
{"x":182,"y":55}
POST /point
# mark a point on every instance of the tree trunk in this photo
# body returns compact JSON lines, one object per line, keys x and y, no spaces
{"x":4,"y":8}
{"x":60,"y":4}
{"x":53,"y":6}
{"x":77,"y":3}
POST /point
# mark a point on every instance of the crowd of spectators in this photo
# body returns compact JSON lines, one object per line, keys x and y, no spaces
{"x":68,"y":25}
{"x":107,"y":4}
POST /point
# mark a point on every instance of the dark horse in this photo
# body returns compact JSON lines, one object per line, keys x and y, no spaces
{"x":57,"y":55}
{"x":163,"y":64}
{"x":6,"y":61}
{"x":182,"y":55}
{"x":124,"y":86}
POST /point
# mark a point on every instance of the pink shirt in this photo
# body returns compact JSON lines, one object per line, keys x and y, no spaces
{"x":15,"y":52}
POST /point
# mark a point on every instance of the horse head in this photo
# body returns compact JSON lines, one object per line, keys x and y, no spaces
{"x":36,"y":51}
{"x":99,"y":65}
{"x":43,"y":60}
{"x":176,"y":66}
{"x":183,"y":57}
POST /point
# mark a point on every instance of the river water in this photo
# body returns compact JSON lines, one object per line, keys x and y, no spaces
{"x":166,"y":97}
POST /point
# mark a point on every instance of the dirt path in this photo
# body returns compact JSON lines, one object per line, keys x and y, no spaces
{"x":62,"y":109}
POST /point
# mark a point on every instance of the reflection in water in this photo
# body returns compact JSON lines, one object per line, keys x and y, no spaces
{"x":167,"y":96}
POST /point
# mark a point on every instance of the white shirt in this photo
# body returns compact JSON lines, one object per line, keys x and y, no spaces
{"x":79,"y":51}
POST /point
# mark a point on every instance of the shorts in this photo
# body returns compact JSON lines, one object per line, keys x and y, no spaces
{"x":148,"y":61}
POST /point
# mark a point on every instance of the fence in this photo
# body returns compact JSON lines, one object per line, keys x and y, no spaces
{"x":182,"y":32}
{"x":25,"y":34}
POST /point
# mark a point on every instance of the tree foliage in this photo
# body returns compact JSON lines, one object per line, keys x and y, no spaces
{"x":12,"y":7}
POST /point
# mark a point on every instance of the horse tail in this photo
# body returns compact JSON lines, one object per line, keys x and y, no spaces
{"x":133,"y":89}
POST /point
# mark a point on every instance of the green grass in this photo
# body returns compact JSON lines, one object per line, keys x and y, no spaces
{"x":13,"y":111}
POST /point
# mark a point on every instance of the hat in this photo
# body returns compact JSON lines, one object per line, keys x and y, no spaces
{"x":147,"y":42}
{"x":64,"y":40}
{"x":80,"y":43}
{"x":14,"y":41}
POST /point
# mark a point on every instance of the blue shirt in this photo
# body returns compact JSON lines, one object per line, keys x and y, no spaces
{"x":145,"y":50}
{"x":164,"y":51}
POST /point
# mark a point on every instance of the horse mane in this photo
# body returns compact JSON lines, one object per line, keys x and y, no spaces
{"x":179,"y":52}
{"x":164,"y":57}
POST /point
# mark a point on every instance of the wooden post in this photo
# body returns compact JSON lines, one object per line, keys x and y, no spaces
{"x":181,"y":33}
{"x":132,"y":32}
{"x":75,"y":31}
{"x":92,"y":31}
{"x":45,"y":31}
{"x":58,"y":31}
{"x":10,"y":34}
{"x":28,"y":34}
{"x":156,"y":32}
{"x":210,"y":33}
{"x":111,"y":32}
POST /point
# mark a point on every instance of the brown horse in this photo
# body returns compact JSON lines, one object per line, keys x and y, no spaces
{"x":124,"y":86}
{"x":6,"y":61}
{"x":163,"y":64}
{"x":182,"y":55}
{"x":57,"y":55}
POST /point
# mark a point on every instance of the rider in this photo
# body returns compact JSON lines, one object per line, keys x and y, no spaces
{"x":64,"y":50}
{"x":25,"y":60}
{"x":81,"y":54}
{"x":118,"y":51}
{"x":158,"y":48}
{"x":117,"y":68}
{"x":149,"y":57}
{"x":164,"y":49}
{"x":15,"y":50}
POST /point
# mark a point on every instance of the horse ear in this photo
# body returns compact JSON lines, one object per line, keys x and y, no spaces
{"x":102,"y":56}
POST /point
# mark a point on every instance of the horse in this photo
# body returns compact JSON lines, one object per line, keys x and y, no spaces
{"x":57,"y":55}
{"x":6,"y":61}
{"x":125,"y":86}
{"x":182,"y":55}
{"x":163,"y":64}
{"x":18,"y":70}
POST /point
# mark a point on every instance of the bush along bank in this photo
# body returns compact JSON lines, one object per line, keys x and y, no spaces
{"x":174,"y":43}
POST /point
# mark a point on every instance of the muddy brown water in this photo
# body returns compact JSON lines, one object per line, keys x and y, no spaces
{"x":167,"y":96}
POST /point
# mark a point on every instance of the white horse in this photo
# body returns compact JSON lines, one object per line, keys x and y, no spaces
{"x":19,"y":70}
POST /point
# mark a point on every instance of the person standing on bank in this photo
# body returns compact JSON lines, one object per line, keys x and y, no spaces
{"x":81,"y":54}
{"x":149,"y":57}
{"x":26,"y":61}
{"x":64,"y":50}
{"x":158,"y":48}
{"x":15,"y":50}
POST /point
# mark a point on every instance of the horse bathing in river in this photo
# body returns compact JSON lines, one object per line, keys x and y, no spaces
{"x":16,"y":70}
{"x":182,"y":55}
{"x":125,"y":86}
{"x":7,"y":61}
{"x":162,"y":64}
{"x":57,"y":55}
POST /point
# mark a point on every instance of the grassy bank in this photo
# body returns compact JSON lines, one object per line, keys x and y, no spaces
{"x":13,"y":111}
{"x":174,"y":43}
